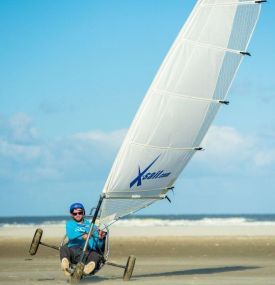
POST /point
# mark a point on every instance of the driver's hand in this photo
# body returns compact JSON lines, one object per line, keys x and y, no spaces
{"x":101,"y":234}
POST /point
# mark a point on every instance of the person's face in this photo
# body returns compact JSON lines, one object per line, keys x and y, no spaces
{"x":78,"y":215}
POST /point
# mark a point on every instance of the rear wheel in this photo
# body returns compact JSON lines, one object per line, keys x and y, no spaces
{"x":77,"y":274}
{"x":35,"y":241}
{"x":129,"y":268}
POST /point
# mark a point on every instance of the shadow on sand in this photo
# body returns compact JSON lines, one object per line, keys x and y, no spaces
{"x":96,"y":278}
{"x":198,"y":271}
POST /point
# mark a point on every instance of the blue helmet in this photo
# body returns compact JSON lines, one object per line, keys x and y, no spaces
{"x":76,"y":206}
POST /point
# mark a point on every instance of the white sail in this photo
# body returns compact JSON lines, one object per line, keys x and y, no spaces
{"x":180,"y":105}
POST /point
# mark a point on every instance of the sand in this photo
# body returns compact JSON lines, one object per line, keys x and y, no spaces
{"x":174,"y":259}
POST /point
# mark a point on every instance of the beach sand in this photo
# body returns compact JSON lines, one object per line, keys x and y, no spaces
{"x":173,"y":259}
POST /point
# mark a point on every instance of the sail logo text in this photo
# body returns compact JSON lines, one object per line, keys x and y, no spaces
{"x":143,"y":175}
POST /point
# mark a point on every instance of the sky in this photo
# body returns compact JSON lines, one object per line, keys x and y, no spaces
{"x":72,"y":76}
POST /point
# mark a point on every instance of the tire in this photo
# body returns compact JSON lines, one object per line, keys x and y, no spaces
{"x":77,"y":274}
{"x":129,"y":268}
{"x":35,"y":241}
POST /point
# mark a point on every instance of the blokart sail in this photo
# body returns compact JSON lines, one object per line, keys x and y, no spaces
{"x":182,"y":101}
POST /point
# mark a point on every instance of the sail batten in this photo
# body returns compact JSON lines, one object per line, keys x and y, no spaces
{"x":230,"y":3}
{"x":185,"y":96}
{"x":215,"y":47}
{"x":180,"y":105}
{"x":166,"y":147}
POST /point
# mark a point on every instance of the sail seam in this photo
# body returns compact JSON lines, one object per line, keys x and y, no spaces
{"x":209,"y":46}
{"x":139,"y":192}
{"x":166,"y":147}
{"x":252,"y":2}
{"x":182,"y":96}
{"x":159,"y":197}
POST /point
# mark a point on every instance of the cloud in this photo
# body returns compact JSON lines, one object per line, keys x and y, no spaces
{"x":227,"y":151}
{"x":80,"y":156}
{"x":88,"y":156}
{"x":19,"y":151}
{"x":265,"y":158}
{"x":224,"y":140}
{"x":18,"y":129}
{"x":19,"y":138}
{"x":113,"y":138}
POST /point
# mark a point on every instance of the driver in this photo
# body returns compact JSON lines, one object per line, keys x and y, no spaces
{"x":77,"y":232}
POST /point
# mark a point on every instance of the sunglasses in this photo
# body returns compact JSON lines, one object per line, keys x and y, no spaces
{"x":77,"y":213}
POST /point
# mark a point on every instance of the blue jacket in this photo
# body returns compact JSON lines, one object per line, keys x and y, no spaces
{"x":75,"y":230}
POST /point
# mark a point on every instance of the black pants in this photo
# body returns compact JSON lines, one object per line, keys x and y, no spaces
{"x":73,"y":254}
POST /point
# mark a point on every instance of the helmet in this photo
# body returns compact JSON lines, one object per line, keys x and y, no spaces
{"x":76,"y":206}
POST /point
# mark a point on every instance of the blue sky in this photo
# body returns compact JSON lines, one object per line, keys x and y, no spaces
{"x":72,"y":76}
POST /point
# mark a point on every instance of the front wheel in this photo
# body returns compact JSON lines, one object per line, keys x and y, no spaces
{"x":129,"y":268}
{"x":77,"y":274}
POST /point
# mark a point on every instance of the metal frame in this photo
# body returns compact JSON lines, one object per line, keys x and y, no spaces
{"x":74,"y":270}
{"x":91,"y":231}
{"x":77,"y":273}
